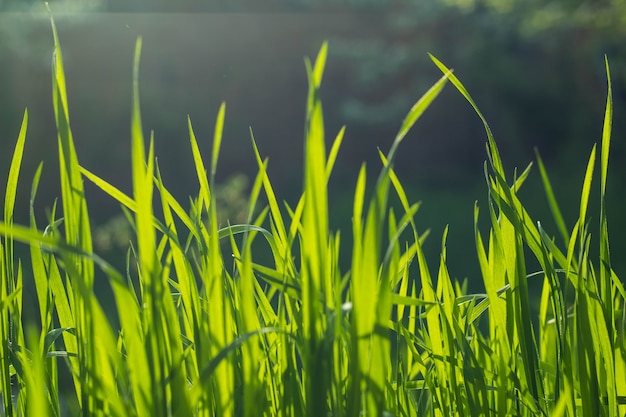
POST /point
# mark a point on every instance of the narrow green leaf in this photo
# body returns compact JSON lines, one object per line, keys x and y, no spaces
{"x":417,"y":110}
{"x":217,"y":140}
{"x":584,"y":196}
{"x":205,"y":193}
{"x":554,"y":207}
{"x":14,"y":171}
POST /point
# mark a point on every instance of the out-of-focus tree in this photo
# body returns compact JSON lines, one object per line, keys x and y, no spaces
{"x":537,"y":66}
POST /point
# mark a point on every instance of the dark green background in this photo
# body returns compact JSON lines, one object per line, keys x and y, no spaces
{"x":535,"y":68}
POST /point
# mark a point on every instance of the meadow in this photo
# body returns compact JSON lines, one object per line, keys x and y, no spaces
{"x":202,"y":328}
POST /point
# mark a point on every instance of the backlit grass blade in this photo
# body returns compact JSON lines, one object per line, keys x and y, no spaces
{"x":185,"y":277}
{"x":110,"y":189}
{"x":80,"y":270}
{"x":554,"y":207}
{"x":142,"y":171}
{"x":147,"y":391}
{"x":283,"y":263}
{"x":39,"y":272}
{"x":334,"y":150}
{"x":606,"y":130}
{"x":35,"y":379}
{"x":314,"y":246}
{"x":201,"y":172}
{"x":494,"y":155}
{"x":176,"y":372}
{"x":74,"y":205}
{"x":416,"y":112}
{"x":8,"y":284}
{"x":586,"y":189}
{"x":14,"y":172}
{"x":358,"y":293}
{"x":217,"y":141}
{"x":606,"y":291}
{"x":252,"y":354}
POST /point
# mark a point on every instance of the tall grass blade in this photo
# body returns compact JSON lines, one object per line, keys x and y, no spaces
{"x":9,"y":333}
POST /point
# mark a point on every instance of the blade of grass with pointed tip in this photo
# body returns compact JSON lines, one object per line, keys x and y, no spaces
{"x":36,"y":397}
{"x":205,"y":193}
{"x":314,"y":245}
{"x":217,"y":141}
{"x":606,"y":291}
{"x":334,"y":150}
{"x":283,"y":263}
{"x":7,"y":281}
{"x":77,"y":231}
{"x":554,"y":207}
{"x":586,"y":189}
{"x":494,"y":155}
{"x":358,"y":292}
{"x":416,"y":112}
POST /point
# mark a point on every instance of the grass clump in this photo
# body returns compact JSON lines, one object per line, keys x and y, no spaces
{"x":300,"y":337}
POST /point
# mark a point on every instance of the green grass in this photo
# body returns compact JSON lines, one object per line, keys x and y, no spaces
{"x":391,"y":336}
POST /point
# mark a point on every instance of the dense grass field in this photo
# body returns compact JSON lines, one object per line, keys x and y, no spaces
{"x":202,"y":328}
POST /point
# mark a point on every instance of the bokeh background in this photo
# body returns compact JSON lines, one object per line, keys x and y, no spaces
{"x":534,"y":67}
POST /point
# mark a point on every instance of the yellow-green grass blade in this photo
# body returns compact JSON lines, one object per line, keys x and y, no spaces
{"x":283,"y":262}
{"x":296,"y":222}
{"x":217,"y":141}
{"x":562,"y":406}
{"x":142,"y":172}
{"x":511,"y":207}
{"x":64,"y":301}
{"x":318,"y":69}
{"x":513,"y":231}
{"x":357,"y":291}
{"x":314,"y":243}
{"x":433,"y":323}
{"x":452,"y":399}
{"x":14,"y":172}
{"x":586,"y":359}
{"x":205,"y":193}
{"x":416,"y":112}
{"x":334,"y":150}
{"x":108,"y":364}
{"x":586,"y":189}
{"x":368,"y":279}
{"x":496,"y":279}
{"x":554,"y":207}
{"x":76,"y":222}
{"x":606,"y":130}
{"x":129,"y":203}
{"x":150,"y":269}
{"x":494,"y":155}
{"x":62,"y":296}
{"x":253,"y":197}
{"x":77,"y":230}
{"x":603,"y":348}
{"x":606,"y":291}
{"x":39,"y":273}
{"x":314,"y":76}
{"x":176,"y":372}
{"x":218,"y":302}
{"x":109,"y":189}
{"x":210,"y":369}
{"x":7,"y":273}
{"x":134,"y":346}
{"x":35,"y":377}
{"x":185,"y":278}
{"x":252,"y":354}
{"x":367,"y":263}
